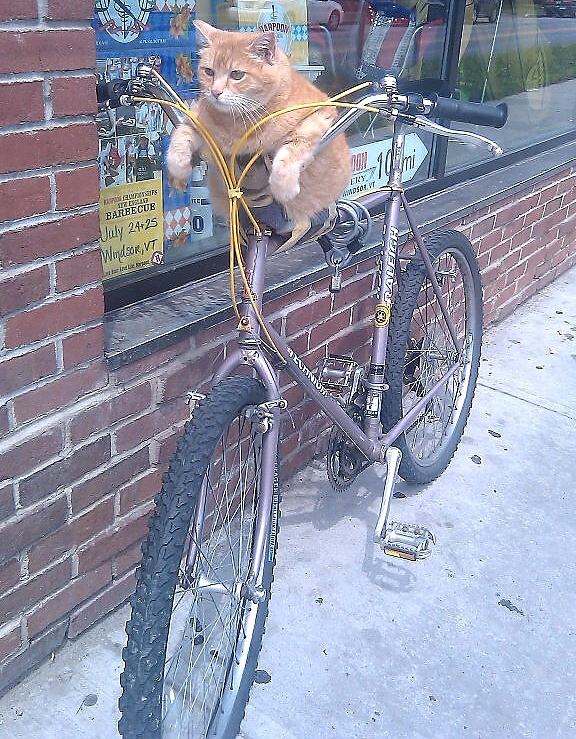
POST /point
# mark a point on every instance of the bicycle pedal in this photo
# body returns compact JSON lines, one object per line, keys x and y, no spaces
{"x":407,"y":541}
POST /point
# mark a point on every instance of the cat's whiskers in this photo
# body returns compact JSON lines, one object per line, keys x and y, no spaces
{"x":248,"y":112}
{"x":251,"y":112}
{"x":233,"y":111}
{"x":255,"y":108}
{"x":252,"y":121}
{"x":243,"y":112}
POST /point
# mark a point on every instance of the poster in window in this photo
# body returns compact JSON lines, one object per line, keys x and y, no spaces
{"x":133,"y":139}
{"x":371,"y":164}
{"x":131,"y":233}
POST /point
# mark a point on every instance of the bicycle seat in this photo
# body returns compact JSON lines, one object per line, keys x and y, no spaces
{"x":287,"y":234}
{"x":271,"y":215}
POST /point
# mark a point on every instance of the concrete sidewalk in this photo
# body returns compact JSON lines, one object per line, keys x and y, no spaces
{"x":477,"y":641}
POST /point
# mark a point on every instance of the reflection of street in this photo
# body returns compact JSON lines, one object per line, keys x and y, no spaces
{"x":514,"y":31}
{"x":526,"y":62}
{"x":541,"y":101}
{"x":533,"y":116}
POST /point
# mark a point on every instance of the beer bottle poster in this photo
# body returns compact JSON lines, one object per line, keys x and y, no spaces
{"x":288,"y":21}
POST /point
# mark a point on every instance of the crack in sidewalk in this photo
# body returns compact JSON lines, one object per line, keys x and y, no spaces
{"x":526,"y":398}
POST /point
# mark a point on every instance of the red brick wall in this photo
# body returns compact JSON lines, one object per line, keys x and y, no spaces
{"x":51,"y":306}
{"x":82,"y":448}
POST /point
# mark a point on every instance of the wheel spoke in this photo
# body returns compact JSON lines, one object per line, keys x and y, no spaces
{"x":203,"y":639}
{"x":431,"y":353}
{"x":192,"y":629}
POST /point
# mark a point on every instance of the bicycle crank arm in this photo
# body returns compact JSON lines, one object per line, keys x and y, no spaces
{"x":404,"y":540}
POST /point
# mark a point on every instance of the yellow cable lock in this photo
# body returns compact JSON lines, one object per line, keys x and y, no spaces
{"x":233,"y":184}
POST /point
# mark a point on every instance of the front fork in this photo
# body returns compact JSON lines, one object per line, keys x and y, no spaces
{"x":265,"y":418}
{"x":248,"y":353}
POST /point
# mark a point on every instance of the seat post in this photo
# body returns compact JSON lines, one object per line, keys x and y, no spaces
{"x":256,"y":252}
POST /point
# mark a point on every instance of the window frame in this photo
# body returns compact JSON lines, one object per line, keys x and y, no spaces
{"x":200,"y":267}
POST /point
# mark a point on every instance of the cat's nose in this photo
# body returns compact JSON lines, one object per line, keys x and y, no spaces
{"x":216,"y":92}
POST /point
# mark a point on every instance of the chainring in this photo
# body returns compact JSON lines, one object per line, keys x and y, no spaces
{"x":344,"y":462}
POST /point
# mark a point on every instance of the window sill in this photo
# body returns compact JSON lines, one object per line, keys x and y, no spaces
{"x":138,"y":330}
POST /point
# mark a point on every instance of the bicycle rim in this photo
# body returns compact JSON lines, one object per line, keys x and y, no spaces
{"x":431,"y":353}
{"x":212,"y":622}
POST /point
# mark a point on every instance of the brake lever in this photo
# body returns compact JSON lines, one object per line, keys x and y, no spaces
{"x":467,"y":136}
{"x":118,"y":92}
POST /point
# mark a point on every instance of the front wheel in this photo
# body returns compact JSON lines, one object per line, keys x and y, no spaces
{"x":421,"y":352}
{"x":196,"y":627}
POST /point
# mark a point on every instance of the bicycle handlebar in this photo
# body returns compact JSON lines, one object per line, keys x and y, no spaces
{"x":411,"y":108}
{"x":479,"y":114}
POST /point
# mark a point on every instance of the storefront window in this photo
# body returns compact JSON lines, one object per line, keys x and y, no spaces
{"x":522,"y":52}
{"x":407,"y":39}
{"x":335,"y":44}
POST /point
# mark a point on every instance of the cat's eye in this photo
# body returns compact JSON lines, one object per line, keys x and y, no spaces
{"x":237,"y":74}
{"x":208,"y":71}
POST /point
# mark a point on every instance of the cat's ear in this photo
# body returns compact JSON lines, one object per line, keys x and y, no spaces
{"x":264,"y":47}
{"x":205,"y":32}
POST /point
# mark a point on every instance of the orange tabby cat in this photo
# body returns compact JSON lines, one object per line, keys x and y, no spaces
{"x":243,"y":77}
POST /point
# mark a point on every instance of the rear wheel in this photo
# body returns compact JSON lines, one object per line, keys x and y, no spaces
{"x":196,"y":630}
{"x":421,"y":352}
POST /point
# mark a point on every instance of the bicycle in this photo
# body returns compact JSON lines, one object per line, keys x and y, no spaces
{"x":204,"y":584}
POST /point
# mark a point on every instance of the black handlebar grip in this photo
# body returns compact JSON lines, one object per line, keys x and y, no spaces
{"x":479,"y":114}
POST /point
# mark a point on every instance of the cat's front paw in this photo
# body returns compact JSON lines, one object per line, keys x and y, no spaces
{"x":179,"y":166}
{"x":181,"y":149}
{"x":180,"y":185}
{"x":285,"y":182}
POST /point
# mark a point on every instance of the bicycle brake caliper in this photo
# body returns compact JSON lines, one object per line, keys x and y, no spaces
{"x":397,"y":539}
{"x":262,"y":414}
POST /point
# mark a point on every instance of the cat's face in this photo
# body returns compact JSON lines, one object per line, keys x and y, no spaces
{"x":238,"y":72}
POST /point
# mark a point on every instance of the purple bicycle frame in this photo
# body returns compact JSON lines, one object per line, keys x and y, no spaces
{"x":250,"y":350}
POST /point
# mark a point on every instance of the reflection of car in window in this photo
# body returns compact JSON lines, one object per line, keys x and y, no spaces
{"x":560,"y":8}
{"x":393,"y":10}
{"x":325,"y":13}
{"x":430,"y":11}
{"x":486,"y":9}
